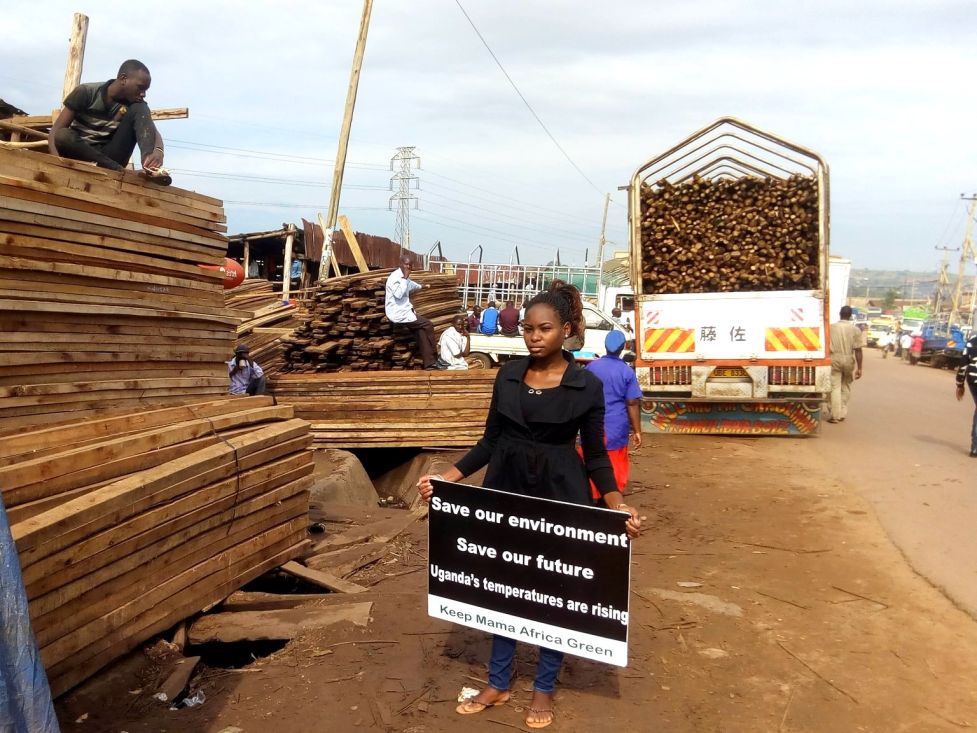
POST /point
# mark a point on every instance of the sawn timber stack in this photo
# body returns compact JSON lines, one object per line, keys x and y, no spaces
{"x":346,"y":329}
{"x":390,"y":409}
{"x":104,"y":304}
{"x":126,"y":525}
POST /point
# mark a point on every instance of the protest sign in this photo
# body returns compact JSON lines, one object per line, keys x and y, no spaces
{"x":540,"y":571}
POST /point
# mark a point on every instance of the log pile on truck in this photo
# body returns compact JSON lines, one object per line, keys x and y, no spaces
{"x":347,"y":330}
{"x":722,"y":235}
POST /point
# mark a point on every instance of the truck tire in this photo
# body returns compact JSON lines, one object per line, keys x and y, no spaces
{"x":478,"y":360}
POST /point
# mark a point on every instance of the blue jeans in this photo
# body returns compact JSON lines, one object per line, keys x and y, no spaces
{"x":500,"y":665}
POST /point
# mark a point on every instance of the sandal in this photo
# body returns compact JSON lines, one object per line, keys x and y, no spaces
{"x":540,"y":723}
{"x":471,"y":707}
{"x":159,"y":176}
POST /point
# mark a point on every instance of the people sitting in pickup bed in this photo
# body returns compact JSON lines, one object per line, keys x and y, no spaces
{"x":454,"y":345}
{"x":475,"y":319}
{"x":509,"y":319}
{"x":490,"y":320}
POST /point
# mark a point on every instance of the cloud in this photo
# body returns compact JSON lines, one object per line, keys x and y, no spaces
{"x":880,"y":89}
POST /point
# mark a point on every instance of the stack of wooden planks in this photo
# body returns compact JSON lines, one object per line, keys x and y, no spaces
{"x":104,"y":304}
{"x":267,"y":321}
{"x":390,"y":409}
{"x":346,"y":328}
{"x":127,"y":525}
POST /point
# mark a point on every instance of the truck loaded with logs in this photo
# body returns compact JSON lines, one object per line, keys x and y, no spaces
{"x":729,"y":257}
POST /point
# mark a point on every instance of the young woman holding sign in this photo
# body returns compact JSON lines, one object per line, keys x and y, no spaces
{"x":539,"y":407}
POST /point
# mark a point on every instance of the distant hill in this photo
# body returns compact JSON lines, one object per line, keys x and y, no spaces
{"x":908,"y":283}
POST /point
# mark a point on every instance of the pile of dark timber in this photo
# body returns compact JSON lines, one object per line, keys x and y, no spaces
{"x":390,"y":409}
{"x":266,"y":322}
{"x":103,"y":303}
{"x":704,"y":236}
{"x":346,"y":329}
{"x":127,"y":525}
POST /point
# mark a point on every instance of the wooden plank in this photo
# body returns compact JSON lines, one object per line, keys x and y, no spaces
{"x":109,"y":629}
{"x":65,"y":676}
{"x":107,"y":457}
{"x":354,"y":246}
{"x":151,"y":528}
{"x":321,"y":579}
{"x":46,"y":306}
{"x":177,"y":680}
{"x":17,"y":200}
{"x":64,"y":613}
{"x":276,"y":625}
{"x":40,"y":535}
{"x":127,"y":207}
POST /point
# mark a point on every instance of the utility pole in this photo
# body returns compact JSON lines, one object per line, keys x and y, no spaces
{"x":943,"y":283}
{"x":967,"y":252}
{"x":405,"y":181}
{"x":601,"y":241}
{"x":328,"y":223}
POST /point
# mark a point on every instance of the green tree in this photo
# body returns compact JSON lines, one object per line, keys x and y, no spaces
{"x":890,"y":299}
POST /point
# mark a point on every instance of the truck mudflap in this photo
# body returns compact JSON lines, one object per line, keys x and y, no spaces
{"x":711,"y":417}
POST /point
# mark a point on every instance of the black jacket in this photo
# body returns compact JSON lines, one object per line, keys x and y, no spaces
{"x":967,"y":373}
{"x":540,"y":458}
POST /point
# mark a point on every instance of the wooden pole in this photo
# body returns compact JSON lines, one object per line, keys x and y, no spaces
{"x":247,"y":257}
{"x":337,"y":178}
{"x":76,"y":55}
{"x":287,"y":266}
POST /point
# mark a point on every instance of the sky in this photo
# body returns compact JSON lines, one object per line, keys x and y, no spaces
{"x":881,"y":89}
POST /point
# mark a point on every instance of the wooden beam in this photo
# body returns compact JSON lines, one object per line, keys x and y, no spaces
{"x":354,"y":246}
{"x":287,"y":266}
{"x":337,"y":178}
{"x":76,"y":55}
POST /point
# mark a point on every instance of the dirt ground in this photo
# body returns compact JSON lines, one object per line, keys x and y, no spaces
{"x":807,"y":619}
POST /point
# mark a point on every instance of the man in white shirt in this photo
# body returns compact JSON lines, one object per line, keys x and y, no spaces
{"x":455,"y":343}
{"x":398,"y":308}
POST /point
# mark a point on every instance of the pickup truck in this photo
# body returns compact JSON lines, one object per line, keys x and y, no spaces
{"x":489,"y":351}
{"x":943,"y":345}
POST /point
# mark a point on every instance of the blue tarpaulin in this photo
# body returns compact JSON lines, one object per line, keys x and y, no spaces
{"x":25,"y":698}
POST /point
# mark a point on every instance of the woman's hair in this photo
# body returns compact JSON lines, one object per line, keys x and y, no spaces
{"x":565,"y":300}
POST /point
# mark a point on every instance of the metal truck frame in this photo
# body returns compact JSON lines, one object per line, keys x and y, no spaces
{"x":746,"y":363}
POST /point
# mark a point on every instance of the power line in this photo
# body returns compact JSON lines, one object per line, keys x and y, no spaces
{"x":524,"y":223}
{"x":520,"y":202}
{"x":271,"y":180}
{"x":261,"y":154}
{"x":312,"y":207}
{"x":524,"y":100}
{"x":544,"y":245}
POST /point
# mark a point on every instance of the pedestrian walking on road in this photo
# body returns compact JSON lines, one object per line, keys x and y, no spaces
{"x":398,"y":308}
{"x":846,"y":362}
{"x":622,"y":406}
{"x":540,"y":405}
{"x":967,"y":375}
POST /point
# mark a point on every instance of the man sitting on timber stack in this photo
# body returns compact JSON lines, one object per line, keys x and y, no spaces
{"x":398,"y":308}
{"x":102,"y":123}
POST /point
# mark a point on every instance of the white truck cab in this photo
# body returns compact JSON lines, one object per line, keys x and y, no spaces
{"x":491,"y":351}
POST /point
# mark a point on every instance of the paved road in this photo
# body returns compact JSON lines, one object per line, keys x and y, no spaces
{"x":904,"y":447}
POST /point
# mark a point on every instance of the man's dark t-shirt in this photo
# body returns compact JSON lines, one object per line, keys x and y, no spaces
{"x":509,"y":322}
{"x":96,"y":116}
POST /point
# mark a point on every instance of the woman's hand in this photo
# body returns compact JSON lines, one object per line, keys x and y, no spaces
{"x":424,"y":487}
{"x":633,"y":525}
